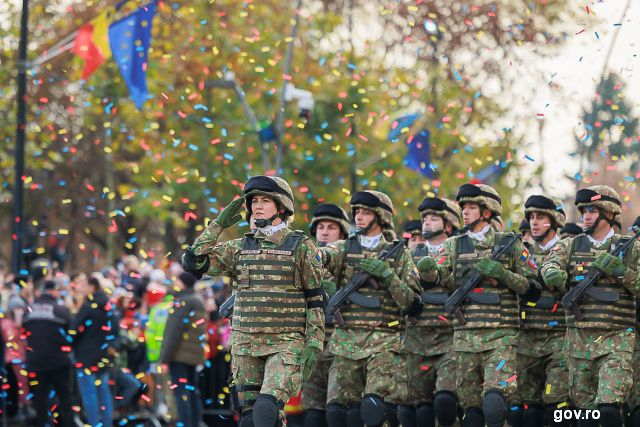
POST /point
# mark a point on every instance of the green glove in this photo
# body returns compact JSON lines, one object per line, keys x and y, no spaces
{"x":329,"y":287}
{"x":554,"y":277}
{"x":610,"y":265}
{"x":308,"y":359}
{"x":229,"y":215}
{"x":427,"y":264}
{"x":377,"y":268}
{"x":491,"y":268}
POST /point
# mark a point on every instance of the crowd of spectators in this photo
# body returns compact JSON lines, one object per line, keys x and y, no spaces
{"x":132,"y":343}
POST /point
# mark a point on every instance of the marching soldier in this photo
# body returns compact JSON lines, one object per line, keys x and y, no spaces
{"x":525,"y":230}
{"x":366,"y":347}
{"x":428,"y":344}
{"x":412,"y":233}
{"x":633,"y":398}
{"x":542,"y":374}
{"x":485,"y":337}
{"x":600,"y":342}
{"x":329,"y":224}
{"x":278,"y":322}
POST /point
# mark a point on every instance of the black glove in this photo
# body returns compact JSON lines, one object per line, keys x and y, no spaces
{"x":190,"y":262}
{"x":534,"y":292}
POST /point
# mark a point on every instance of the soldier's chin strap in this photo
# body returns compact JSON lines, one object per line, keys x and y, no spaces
{"x":431,"y":234}
{"x":543,"y":236}
{"x":591,"y":229}
{"x":262,"y":223}
{"x":365,"y":230}
{"x":469,"y":227}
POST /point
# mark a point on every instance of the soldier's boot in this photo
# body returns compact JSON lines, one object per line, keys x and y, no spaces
{"x":315,"y":418}
{"x":550,"y":418}
{"x":445,"y":407}
{"x":337,"y":415}
{"x":407,"y":415}
{"x":610,"y":414}
{"x":247,"y":419}
{"x":372,"y":410}
{"x":266,"y":411}
{"x":494,"y":407}
{"x":425,"y":415}
{"x":473,"y":417}
{"x":514,"y":419}
{"x":354,"y":419}
{"x":391,"y":414}
{"x":532,"y":416}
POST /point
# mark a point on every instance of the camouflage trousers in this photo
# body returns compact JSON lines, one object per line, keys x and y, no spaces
{"x":605,"y":379}
{"x":476,"y":373}
{"x":277,"y":374}
{"x":543,"y":376}
{"x":633,"y":398}
{"x":425,"y":375}
{"x":350,"y":379}
{"x":314,"y":391}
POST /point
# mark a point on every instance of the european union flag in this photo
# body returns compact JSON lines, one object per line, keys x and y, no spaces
{"x":129,"y":39}
{"x":418,"y":157}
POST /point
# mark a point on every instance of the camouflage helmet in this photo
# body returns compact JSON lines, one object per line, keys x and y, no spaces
{"x":599,"y":196}
{"x":271,"y":186}
{"x":617,"y":222}
{"x":546,"y":205}
{"x":411,"y":228}
{"x":445,"y":208}
{"x":524,"y":226}
{"x":377,"y":202}
{"x":329,"y":212}
{"x":481,"y":194}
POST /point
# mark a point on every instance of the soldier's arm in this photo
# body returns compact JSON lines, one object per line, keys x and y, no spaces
{"x":631,"y":278}
{"x":444,"y":276}
{"x":332,"y":256}
{"x":557,"y":259}
{"x":311,"y":274}
{"x":206,"y":241}
{"x":524,"y":270}
{"x":404,"y":285}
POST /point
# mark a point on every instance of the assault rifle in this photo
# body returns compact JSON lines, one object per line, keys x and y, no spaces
{"x":349,"y":292}
{"x":472,"y":280}
{"x":586,"y":286}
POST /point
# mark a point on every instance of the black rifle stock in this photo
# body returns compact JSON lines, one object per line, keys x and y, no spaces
{"x":357,"y":281}
{"x":586,"y":286}
{"x":472,"y":280}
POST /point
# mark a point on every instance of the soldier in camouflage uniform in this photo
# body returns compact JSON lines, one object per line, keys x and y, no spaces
{"x":570,"y":229}
{"x":329,"y":223}
{"x":600,"y":345}
{"x":633,"y":398}
{"x":485,"y":344}
{"x":366,"y":347}
{"x":541,"y":366}
{"x":525,"y":230}
{"x":428,"y":344}
{"x":278,"y":321}
{"x":412,"y":234}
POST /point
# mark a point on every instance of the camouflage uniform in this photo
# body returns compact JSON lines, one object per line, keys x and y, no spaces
{"x":314,"y":390}
{"x":600,"y":346}
{"x":278,"y":309}
{"x":485,"y":345}
{"x":367,"y":347}
{"x":542,"y":373}
{"x":430,"y":368}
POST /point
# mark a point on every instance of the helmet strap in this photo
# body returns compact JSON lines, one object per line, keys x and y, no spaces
{"x":262,"y":223}
{"x":431,"y":234}
{"x":365,"y":230}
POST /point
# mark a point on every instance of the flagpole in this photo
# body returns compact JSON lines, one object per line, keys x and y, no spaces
{"x":21,"y":122}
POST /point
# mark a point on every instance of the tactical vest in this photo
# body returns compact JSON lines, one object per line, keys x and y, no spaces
{"x":433,"y":297}
{"x":501,"y":315}
{"x":386,"y":317}
{"x":269,"y":297}
{"x":599,"y":314}
{"x":546,"y":313}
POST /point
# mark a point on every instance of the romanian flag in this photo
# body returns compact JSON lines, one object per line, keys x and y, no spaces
{"x":92,"y":43}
